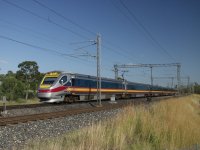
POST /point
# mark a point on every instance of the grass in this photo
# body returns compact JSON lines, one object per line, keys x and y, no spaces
{"x":170,"y":124}
{"x":21,"y":102}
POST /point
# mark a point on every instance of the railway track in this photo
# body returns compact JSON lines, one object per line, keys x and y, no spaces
{"x":43,"y":116}
{"x":10,"y":107}
{"x":22,"y":119}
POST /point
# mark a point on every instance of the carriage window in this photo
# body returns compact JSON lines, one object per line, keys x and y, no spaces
{"x":63,"y":80}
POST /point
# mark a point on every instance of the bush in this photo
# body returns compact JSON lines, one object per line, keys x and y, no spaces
{"x":197,"y":89}
{"x":12,"y":88}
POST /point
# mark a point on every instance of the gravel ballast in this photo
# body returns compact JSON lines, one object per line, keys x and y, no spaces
{"x":47,"y":109}
{"x":16,"y":136}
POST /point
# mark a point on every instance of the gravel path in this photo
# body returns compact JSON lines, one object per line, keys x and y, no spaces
{"x":16,"y":136}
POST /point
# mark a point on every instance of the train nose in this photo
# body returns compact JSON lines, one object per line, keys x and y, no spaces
{"x":44,"y":93}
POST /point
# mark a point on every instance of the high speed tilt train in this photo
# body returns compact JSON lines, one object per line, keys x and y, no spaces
{"x":57,"y":86}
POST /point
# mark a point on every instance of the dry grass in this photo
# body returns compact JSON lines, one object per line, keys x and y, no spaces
{"x":21,"y":102}
{"x":170,"y":124}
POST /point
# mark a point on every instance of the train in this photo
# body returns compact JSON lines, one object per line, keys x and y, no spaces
{"x":59,"y":86}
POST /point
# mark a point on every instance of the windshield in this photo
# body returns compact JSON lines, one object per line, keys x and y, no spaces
{"x":49,"y":80}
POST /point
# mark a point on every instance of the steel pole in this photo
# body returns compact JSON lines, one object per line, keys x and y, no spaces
{"x":178,"y":76}
{"x":98,"y":70}
{"x":151,"y":75}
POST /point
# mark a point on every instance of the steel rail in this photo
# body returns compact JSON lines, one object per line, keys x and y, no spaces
{"x":22,"y":119}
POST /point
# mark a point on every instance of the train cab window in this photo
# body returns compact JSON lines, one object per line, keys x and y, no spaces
{"x":63,"y":80}
{"x":49,"y":80}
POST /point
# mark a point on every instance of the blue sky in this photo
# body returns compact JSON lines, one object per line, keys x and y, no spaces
{"x":132,"y":32}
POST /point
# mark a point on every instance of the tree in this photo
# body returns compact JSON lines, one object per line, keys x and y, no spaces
{"x":2,"y":76}
{"x":10,"y":74}
{"x":29,"y":74}
{"x":196,"y":88}
{"x":12,"y":88}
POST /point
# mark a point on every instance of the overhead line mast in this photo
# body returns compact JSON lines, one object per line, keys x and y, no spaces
{"x":98,"y":42}
{"x":178,"y":65}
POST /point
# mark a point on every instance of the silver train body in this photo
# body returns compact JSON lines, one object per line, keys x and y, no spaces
{"x":61,"y":86}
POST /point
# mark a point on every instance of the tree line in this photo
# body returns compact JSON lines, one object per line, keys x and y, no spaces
{"x":22,"y":84}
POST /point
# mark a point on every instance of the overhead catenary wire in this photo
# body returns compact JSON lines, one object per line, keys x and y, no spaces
{"x":148,"y":33}
{"x":32,"y":32}
{"x":56,"y":24}
{"x":45,"y":49}
{"x":71,"y":21}
{"x":146,"y":30}
{"x":76,"y":49}
{"x":121,"y":52}
{"x":121,"y":11}
{"x":64,"y":17}
{"x":61,"y":26}
{"x":82,"y":47}
{"x":46,"y":19}
{"x":40,"y":48}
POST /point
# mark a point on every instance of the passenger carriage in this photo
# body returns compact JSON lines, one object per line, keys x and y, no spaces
{"x":59,"y":86}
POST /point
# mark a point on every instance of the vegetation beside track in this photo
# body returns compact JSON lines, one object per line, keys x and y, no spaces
{"x":21,"y":85}
{"x":21,"y":102}
{"x":169,"y":124}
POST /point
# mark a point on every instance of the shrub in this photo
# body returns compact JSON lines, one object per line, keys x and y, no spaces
{"x":12,"y":88}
